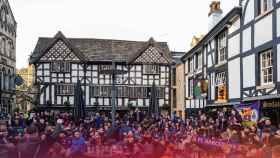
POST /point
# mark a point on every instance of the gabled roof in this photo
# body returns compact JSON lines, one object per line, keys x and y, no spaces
{"x":44,"y":44}
{"x":97,"y":50}
{"x":215,"y":30}
{"x":151,"y":43}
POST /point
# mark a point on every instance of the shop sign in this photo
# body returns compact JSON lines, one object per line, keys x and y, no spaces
{"x":271,"y":104}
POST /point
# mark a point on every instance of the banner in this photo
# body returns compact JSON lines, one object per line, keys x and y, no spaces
{"x":249,"y":113}
{"x":215,"y":143}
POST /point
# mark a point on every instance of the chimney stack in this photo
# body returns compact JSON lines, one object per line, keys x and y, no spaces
{"x":215,"y":14}
{"x":195,"y":40}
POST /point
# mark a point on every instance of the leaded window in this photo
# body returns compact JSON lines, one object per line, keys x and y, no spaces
{"x":222,"y":44}
{"x":64,"y":89}
{"x":59,"y":66}
{"x":151,"y":69}
{"x":266,"y":67}
{"x":190,"y":87}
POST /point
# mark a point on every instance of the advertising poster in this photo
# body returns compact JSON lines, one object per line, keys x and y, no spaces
{"x":249,"y":113}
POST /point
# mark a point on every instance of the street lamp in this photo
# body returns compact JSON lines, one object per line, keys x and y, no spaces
{"x":113,"y":71}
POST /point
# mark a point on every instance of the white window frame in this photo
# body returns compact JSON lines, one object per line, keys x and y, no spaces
{"x":190,"y":82}
{"x":266,"y":67}
{"x":222,"y":47}
{"x":64,"y":89}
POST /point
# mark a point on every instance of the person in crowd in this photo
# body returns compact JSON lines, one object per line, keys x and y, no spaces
{"x":137,"y":135}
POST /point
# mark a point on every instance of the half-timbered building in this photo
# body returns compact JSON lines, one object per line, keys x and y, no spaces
{"x":260,"y":55}
{"x":240,"y":56}
{"x":60,"y":62}
{"x":7,"y":57}
{"x":208,"y":63}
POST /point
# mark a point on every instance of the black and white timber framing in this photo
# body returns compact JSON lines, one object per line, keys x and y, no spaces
{"x":8,"y":27}
{"x":250,"y":30}
{"x":60,"y":62}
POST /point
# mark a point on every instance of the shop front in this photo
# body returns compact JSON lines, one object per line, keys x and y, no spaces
{"x":271,"y":108}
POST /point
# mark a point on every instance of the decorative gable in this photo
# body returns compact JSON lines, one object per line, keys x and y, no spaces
{"x":152,"y":55}
{"x":60,"y":52}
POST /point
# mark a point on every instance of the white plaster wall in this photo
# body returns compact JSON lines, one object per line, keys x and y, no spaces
{"x":205,"y":56}
{"x":186,"y":67}
{"x":234,"y":46}
{"x":87,"y":95}
{"x":249,"y":13}
{"x":212,"y":86}
{"x":278,"y":60}
{"x":188,"y":104}
{"x":263,"y":30}
{"x":247,"y":45}
{"x":52,"y":93}
{"x":48,"y":93}
{"x":209,"y":60}
{"x":249,"y":71}
{"x":234,"y":78}
{"x":278,"y":21}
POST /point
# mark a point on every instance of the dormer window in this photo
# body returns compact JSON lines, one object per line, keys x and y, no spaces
{"x":59,"y":66}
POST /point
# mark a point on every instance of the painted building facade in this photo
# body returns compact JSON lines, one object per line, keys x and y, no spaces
{"x":27,"y":76}
{"x":59,"y":62}
{"x":240,"y":57}
{"x":8,"y":28}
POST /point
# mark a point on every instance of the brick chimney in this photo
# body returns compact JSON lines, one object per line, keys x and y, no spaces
{"x":215,"y":14}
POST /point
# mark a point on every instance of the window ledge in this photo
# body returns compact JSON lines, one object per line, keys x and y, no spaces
{"x":221,"y":64}
{"x":268,"y":86}
{"x":189,"y":98}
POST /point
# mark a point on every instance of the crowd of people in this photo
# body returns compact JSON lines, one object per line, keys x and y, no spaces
{"x":136,"y":135}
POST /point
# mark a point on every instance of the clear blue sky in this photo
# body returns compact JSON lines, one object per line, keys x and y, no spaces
{"x":174,"y":21}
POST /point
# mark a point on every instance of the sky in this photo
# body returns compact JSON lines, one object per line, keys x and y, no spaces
{"x":172,"y":21}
